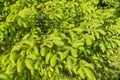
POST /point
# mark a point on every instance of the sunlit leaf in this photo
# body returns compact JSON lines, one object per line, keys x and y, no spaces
{"x":74,"y":52}
{"x":12,"y":58}
{"x":88,"y":41}
{"x":3,"y":77}
{"x":64,"y":54}
{"x":32,"y":56}
{"x":69,"y":63}
{"x":101,"y":31}
{"x":29,"y":64}
{"x":36,"y":50}
{"x":36,"y":66}
{"x":89,"y":73}
{"x":102,"y":47}
{"x":53,"y":60}
{"x":43,"y":51}
{"x":19,"y":65}
{"x":81,"y":72}
{"x":48,"y":57}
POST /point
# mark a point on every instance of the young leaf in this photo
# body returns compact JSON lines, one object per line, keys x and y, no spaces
{"x":72,"y":35}
{"x":3,"y":77}
{"x":43,"y":51}
{"x":53,"y":60}
{"x":29,"y":64}
{"x":48,"y":57}
{"x":9,"y":69}
{"x":81,"y":73}
{"x":101,"y":31}
{"x":12,"y":58}
{"x":74,"y":52}
{"x":32,"y":56}
{"x":97,"y":35}
{"x":69,"y":63}
{"x":102,"y":47}
{"x":19,"y":65}
{"x":5,"y":60}
{"x":36,"y":66}
{"x":88,"y":41}
{"x":36,"y":50}
{"x":64,"y":54}
{"x":89,"y":73}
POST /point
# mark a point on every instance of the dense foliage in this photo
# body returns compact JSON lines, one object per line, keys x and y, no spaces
{"x":59,"y":40}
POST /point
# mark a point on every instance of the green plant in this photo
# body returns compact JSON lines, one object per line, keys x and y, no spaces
{"x":59,"y":39}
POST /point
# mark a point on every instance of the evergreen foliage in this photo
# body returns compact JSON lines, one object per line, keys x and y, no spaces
{"x":59,"y":39}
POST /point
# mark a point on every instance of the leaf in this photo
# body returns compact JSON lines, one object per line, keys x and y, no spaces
{"x":59,"y":16}
{"x":74,"y":52}
{"x":89,"y":73}
{"x":9,"y":69}
{"x":72,"y":35}
{"x":25,"y":12}
{"x":53,"y":60}
{"x":88,"y":41}
{"x":32,"y":56}
{"x":19,"y":65}
{"x":101,"y":31}
{"x":3,"y":77}
{"x":74,"y":69}
{"x":78,"y":30}
{"x":51,"y":17}
{"x":19,"y":22}
{"x":48,"y":57}
{"x":12,"y":58}
{"x":102,"y":47}
{"x":81,"y":72}
{"x":50,"y":44}
{"x":40,"y":5}
{"x":29,"y":64}
{"x":11,"y":17}
{"x":97,"y":35}
{"x":5,"y":60}
{"x":59,"y":43}
{"x":69,"y":63}
{"x":57,"y":69}
{"x":64,"y":54}
{"x":117,"y":42}
{"x":36,"y":66}
{"x":25,"y":24}
{"x":36,"y":50}
{"x":43,"y":51}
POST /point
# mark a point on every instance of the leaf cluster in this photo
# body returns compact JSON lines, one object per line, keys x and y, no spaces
{"x":59,"y":39}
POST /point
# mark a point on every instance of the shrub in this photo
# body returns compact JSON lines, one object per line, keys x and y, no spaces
{"x":66,"y":39}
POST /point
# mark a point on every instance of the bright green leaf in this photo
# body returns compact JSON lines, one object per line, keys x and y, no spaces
{"x":19,"y":64}
{"x":36,"y":50}
{"x":74,"y":52}
{"x":69,"y":63}
{"x":12,"y":58}
{"x":3,"y":77}
{"x":43,"y":51}
{"x":64,"y":54}
{"x":81,"y":72}
{"x":37,"y":65}
{"x":53,"y":60}
{"x":29,"y":64}
{"x":102,"y":47}
{"x":89,"y":73}
{"x":101,"y":31}
{"x":48,"y":57}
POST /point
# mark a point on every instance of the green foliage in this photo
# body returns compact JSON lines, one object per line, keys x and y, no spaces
{"x":59,"y":40}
